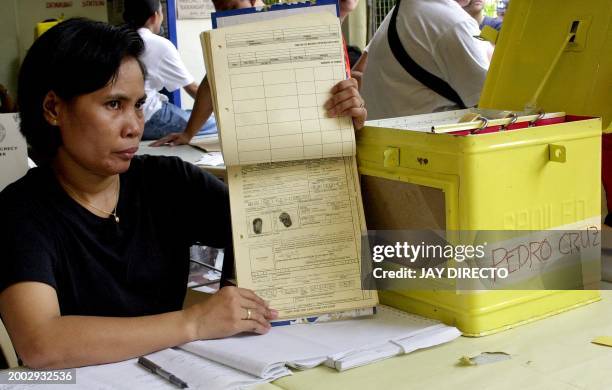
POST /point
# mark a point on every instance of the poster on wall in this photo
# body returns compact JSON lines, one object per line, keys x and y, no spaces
{"x":93,"y":3}
{"x":58,"y":4}
{"x":194,"y":9}
{"x":13,"y":150}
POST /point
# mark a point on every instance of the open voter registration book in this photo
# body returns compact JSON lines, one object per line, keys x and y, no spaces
{"x":297,"y":213}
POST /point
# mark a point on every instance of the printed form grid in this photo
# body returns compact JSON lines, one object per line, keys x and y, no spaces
{"x":279,"y":114}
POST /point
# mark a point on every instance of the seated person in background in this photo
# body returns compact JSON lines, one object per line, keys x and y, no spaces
{"x":95,"y":241}
{"x":438,"y":35}
{"x":476,"y":10}
{"x":502,"y":7}
{"x":203,"y":106}
{"x":165,"y":69}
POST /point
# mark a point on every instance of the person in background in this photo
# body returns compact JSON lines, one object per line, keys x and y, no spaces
{"x":95,"y":241}
{"x":439,"y":37}
{"x":476,"y":10}
{"x":203,"y":107}
{"x":165,"y":69}
{"x":502,"y":7}
{"x":203,"y":104}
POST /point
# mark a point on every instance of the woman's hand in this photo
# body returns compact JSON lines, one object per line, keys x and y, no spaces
{"x":346,"y":101}
{"x":230,"y":311}
{"x":172,"y":139}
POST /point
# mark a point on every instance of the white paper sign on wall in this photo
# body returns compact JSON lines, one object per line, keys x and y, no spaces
{"x":194,"y":9}
{"x":13,"y":150}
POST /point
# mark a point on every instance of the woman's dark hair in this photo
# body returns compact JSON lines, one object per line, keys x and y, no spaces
{"x":75,"y":57}
{"x":137,"y":12}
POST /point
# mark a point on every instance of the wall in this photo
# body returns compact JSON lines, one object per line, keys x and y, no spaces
{"x":30,"y":12}
{"x":355,"y":27}
{"x":19,"y":17}
{"x":17,"y":24}
{"x":9,"y":52}
{"x":189,"y":47}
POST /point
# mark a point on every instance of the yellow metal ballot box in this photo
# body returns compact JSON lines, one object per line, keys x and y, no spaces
{"x":496,"y":172}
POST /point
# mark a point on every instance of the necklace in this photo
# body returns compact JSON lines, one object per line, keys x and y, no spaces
{"x":81,"y":200}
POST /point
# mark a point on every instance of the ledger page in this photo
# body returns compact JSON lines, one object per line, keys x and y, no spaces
{"x":297,"y":234}
{"x":271,"y":79}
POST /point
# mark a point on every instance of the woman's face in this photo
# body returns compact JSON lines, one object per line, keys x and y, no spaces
{"x":101,"y":130}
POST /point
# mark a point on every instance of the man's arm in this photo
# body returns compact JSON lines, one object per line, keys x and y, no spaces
{"x":191,"y":89}
{"x":202,"y":109}
{"x":43,"y":338}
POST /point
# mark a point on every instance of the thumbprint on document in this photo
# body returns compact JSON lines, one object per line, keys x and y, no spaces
{"x":257,"y":225}
{"x":285,"y":218}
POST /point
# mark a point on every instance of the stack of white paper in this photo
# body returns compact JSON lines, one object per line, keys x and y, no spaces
{"x":198,"y":373}
{"x":251,"y":359}
{"x":340,"y":345}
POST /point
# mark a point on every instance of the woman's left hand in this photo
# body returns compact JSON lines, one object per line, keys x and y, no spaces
{"x":346,"y":101}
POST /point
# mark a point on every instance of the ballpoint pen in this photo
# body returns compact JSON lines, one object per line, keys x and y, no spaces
{"x":155,"y":369}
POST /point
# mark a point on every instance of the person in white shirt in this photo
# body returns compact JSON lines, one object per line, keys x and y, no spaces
{"x":164,"y":67}
{"x":439,"y":36}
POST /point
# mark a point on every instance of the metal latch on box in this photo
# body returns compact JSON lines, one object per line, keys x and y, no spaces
{"x":556,"y":153}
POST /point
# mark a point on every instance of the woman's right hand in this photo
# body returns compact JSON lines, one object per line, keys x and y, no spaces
{"x":230,"y":311}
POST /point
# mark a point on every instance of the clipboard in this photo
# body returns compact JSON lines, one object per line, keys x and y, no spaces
{"x":253,"y":14}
